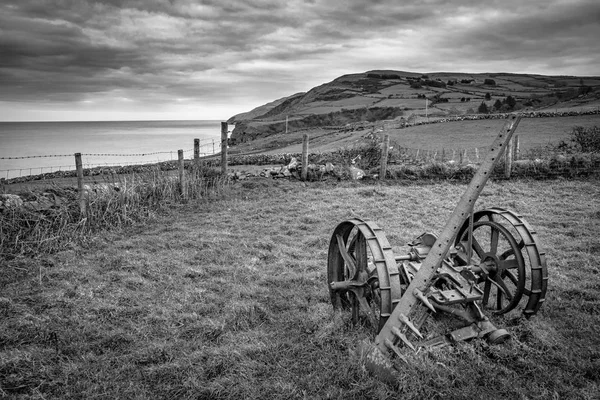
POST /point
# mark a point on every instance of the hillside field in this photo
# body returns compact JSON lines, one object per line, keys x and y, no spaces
{"x":227,"y":298}
{"x":382,"y":95}
{"x":467,"y":134}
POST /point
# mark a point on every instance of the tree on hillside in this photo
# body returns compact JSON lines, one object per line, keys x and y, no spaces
{"x":488,"y":96}
{"x":511,"y":102}
{"x":490,"y":82}
{"x":483,"y":108}
{"x":498,"y":105}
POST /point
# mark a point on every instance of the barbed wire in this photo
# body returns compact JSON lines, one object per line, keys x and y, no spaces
{"x":95,"y":155}
{"x":44,"y":156}
{"x":91,"y":165}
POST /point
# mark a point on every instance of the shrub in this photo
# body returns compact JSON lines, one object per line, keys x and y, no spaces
{"x":434,"y":83}
{"x":511,"y":102}
{"x":483,"y":108}
{"x":490,"y":82}
{"x":586,"y":140}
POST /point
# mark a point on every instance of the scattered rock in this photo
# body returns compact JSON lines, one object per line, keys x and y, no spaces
{"x":293,"y":165}
{"x":10,"y":201}
{"x":356,"y":173}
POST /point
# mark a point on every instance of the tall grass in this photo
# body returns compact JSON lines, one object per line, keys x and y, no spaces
{"x":114,"y":202}
{"x":229,"y":300}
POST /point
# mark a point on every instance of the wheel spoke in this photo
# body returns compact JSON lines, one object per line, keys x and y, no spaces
{"x":360,"y":252}
{"x":512,"y":277}
{"x":367,"y":308}
{"x":502,"y":285}
{"x":486,"y":292}
{"x":508,"y":264}
{"x":478,"y":249}
{"x":498,"y":300}
{"x":347,"y":258}
{"x":495,"y":236}
{"x":352,"y":245}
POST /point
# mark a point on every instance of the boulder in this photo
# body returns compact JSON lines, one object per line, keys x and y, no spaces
{"x":293,"y":165}
{"x":10,"y":201}
{"x":42,"y":203}
{"x":356,"y":173}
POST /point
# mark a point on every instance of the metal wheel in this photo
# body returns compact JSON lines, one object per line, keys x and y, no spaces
{"x":534,"y":281}
{"x":496,"y":251}
{"x":361,"y":271}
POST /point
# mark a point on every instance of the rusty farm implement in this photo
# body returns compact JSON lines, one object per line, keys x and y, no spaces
{"x":482,"y":261}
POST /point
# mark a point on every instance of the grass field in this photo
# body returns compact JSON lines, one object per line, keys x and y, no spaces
{"x":227,"y":298}
{"x":533,"y":132}
{"x":468,"y":134}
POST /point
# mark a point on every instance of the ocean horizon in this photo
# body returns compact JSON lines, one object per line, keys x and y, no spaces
{"x":31,"y":148}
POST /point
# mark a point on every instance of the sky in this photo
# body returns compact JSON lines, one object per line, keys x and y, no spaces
{"x":211,"y":59}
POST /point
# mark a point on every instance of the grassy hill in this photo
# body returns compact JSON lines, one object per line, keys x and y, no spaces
{"x":406,"y":98}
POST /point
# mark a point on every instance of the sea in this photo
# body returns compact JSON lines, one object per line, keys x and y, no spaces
{"x":31,"y":148}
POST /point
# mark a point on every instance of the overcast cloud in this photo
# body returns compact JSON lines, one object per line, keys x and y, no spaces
{"x":186,"y":59}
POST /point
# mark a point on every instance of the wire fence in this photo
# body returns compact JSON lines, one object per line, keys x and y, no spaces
{"x":105,"y":166}
{"x":206,"y":147}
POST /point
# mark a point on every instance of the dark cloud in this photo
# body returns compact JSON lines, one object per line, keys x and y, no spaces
{"x":214,"y":51}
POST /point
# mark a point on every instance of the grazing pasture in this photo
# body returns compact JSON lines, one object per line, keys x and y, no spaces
{"x":466,"y":134}
{"x":227,"y":298}
{"x":533,"y":132}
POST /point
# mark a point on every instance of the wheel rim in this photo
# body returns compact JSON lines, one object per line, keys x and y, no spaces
{"x":359,"y":253}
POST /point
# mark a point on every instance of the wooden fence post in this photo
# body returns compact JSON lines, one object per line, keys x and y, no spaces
{"x":196,"y":150}
{"x":517,"y":148}
{"x":305,"y":157}
{"x":196,"y":157}
{"x":79,"y":168}
{"x":508,"y":156}
{"x":385,"y":148}
{"x":224,"y":128}
{"x":182,"y":174}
